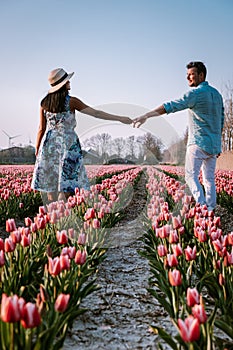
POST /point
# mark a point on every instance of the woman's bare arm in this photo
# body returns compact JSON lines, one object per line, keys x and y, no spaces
{"x":41,"y":130}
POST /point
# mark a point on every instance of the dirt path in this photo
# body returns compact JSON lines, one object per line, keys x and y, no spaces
{"x":121,"y":312}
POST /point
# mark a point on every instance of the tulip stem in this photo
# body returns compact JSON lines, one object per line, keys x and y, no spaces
{"x":28,"y":339}
{"x":12,"y":336}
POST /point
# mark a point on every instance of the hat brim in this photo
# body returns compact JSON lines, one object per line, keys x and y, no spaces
{"x":58,"y":86}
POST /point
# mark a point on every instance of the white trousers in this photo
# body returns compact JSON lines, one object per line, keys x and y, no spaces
{"x":196,"y":160}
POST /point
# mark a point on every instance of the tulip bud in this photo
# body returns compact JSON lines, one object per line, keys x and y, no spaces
{"x":10,"y":311}
{"x":61,"y":302}
{"x":198,"y":312}
{"x":10,"y":225}
{"x":30,"y":317}
{"x":189,"y":329}
{"x":193,"y":297}
{"x":80,"y":257}
{"x":174,"y":277}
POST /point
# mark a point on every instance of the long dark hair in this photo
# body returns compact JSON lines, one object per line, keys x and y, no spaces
{"x":55,"y":102}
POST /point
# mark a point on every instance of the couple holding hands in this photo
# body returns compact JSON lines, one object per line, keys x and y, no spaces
{"x":59,"y":165}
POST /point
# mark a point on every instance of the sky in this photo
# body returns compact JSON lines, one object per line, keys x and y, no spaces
{"x":129,"y":56}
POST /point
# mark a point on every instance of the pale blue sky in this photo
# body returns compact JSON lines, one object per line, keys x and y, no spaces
{"x":131,"y":52}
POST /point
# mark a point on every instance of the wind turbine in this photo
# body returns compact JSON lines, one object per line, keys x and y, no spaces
{"x":10,"y":137}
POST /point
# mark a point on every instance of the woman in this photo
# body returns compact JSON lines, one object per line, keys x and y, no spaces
{"x":59,"y":165}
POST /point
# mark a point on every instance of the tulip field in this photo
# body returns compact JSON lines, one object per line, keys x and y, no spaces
{"x":50,"y":254}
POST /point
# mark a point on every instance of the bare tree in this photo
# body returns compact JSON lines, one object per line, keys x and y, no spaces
{"x":131,"y":146}
{"x":119,"y":146}
{"x":152,"y":146}
{"x":101,"y":143}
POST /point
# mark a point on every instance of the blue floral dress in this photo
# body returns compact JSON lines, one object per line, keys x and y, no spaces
{"x":59,"y":165}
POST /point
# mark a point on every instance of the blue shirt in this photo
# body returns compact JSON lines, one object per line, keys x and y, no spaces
{"x":206,"y":117}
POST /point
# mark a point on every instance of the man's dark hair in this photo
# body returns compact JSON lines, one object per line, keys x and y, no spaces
{"x":201,"y":68}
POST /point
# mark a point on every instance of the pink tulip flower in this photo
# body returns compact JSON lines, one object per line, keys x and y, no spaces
{"x":10,"y":225}
{"x":61,"y":302}
{"x":193,"y":297}
{"x":198,"y":311}
{"x":9,"y":245}
{"x":80,"y":257}
{"x":162,"y":250}
{"x":54,"y":266}
{"x":172,"y":260}
{"x":82,"y":238}
{"x":10,"y":311}
{"x":2,"y":258}
{"x":177,"y":249}
{"x":90,"y":214}
{"x":64,"y":262}
{"x":1,"y":244}
{"x":28,"y":221}
{"x":62,"y":237}
{"x":174,"y":277}
{"x":189,"y":329}
{"x":30,"y":317}
{"x":26,"y":241}
{"x":190,"y":254}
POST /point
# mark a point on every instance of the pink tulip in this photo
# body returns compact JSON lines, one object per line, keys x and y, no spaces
{"x":28,"y":221}
{"x":9,"y":245}
{"x":190,"y":254}
{"x":61,"y":302}
{"x":193,"y":297}
{"x":33,"y":227}
{"x":10,"y":225}
{"x":198,"y":312}
{"x":176,"y":222}
{"x":162,"y":250}
{"x":64,"y":262}
{"x":62,"y":237}
{"x":71,"y":232}
{"x":42,"y":210}
{"x":80,"y":257}
{"x":172,"y":260}
{"x":173,"y":237}
{"x":26,"y":241}
{"x":70,"y":251}
{"x":90,"y":214}
{"x":54,"y":266}
{"x":177,"y":249}
{"x":202,"y":236}
{"x":95,"y":223}
{"x":230,"y":238}
{"x":174,"y":277}
{"x":41,"y":223}
{"x":1,"y":244}
{"x":230,"y":258}
{"x":2,"y":258}
{"x":82,"y":239}
{"x":221,"y":280}
{"x":30,"y":317}
{"x":16,"y":236}
{"x":189,"y":329}
{"x":10,"y":311}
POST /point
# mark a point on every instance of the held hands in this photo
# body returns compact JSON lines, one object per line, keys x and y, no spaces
{"x":125,"y":120}
{"x":137,"y":122}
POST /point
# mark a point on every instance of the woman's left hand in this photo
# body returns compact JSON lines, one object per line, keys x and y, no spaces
{"x":126,"y":120}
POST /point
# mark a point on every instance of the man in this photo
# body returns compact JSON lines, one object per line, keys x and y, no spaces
{"x":206,"y":120}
